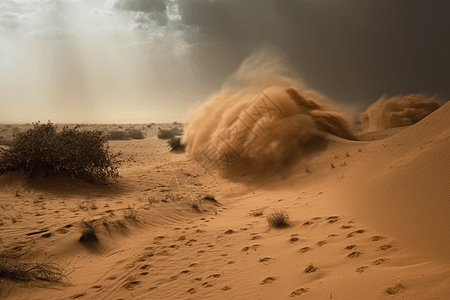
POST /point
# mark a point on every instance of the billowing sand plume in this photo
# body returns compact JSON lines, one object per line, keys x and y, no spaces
{"x":397,"y":111}
{"x":263,"y":116}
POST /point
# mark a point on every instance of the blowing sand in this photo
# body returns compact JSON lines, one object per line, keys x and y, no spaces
{"x":369,"y":220}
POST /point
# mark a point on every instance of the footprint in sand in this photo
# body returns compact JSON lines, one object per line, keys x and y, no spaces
{"x":268,"y":280}
{"x":131,"y":284}
{"x":360,"y":231}
{"x":310,"y":269}
{"x":321,"y":243}
{"x":308,"y":223}
{"x":77,"y":296}
{"x":304,"y":250}
{"x":333,"y":219}
{"x":191,"y":291}
{"x":293,"y":239}
{"x":380,"y":261}
{"x":299,"y":292}
{"x":398,"y":288}
{"x":354,"y":254}
{"x":384,"y":248}
{"x":265,"y":259}
{"x":350,"y":247}
{"x":229,"y":231}
{"x":226,"y":288}
{"x":252,"y":247}
{"x":185,"y":272}
{"x":255,"y":237}
{"x":377,"y":238}
{"x":346,"y":226}
{"x":361,"y":269}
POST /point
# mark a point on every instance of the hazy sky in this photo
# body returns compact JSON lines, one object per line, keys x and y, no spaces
{"x":151,"y":60}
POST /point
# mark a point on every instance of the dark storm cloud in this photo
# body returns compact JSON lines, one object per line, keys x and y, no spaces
{"x":141,"y":5}
{"x":352,"y":50}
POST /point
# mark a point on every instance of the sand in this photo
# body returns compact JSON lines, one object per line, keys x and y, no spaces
{"x":368,"y":221}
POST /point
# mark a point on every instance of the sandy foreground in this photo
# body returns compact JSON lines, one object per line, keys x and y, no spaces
{"x":369,"y":220}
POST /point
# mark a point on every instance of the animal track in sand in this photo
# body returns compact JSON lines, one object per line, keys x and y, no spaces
{"x":268,"y":280}
{"x":191,"y":291}
{"x":226,"y":288}
{"x":346,"y":226}
{"x":131,"y":284}
{"x":361,"y":269}
{"x":352,"y":234}
{"x":384,"y":248}
{"x":308,"y":223}
{"x":252,"y":247}
{"x":299,"y":292}
{"x":293,"y":239}
{"x":321,"y":243}
{"x":350,"y":247}
{"x":304,"y":250}
{"x":333,"y":219}
{"x":76,"y":296}
{"x":377,"y":238}
{"x":310,"y":269}
{"x":380,"y":261}
{"x":397,"y":288}
{"x":265,"y":259}
{"x":229,"y":231}
{"x":354,"y":254}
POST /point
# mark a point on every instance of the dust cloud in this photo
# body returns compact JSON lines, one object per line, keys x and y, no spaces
{"x":263,"y":117}
{"x":397,"y":111}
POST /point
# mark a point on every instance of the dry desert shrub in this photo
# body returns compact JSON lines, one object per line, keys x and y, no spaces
{"x":167,"y":134}
{"x":136,"y":134}
{"x":44,"y":150}
{"x":176,"y":145}
{"x":89,"y":234}
{"x":15,"y":270}
{"x":117,"y":135}
{"x":279,"y":219}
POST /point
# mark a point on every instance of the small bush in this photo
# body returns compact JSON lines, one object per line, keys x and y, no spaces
{"x":278,"y":219}
{"x":136,"y":134}
{"x":176,"y":145}
{"x":43,"y":150}
{"x":167,"y":134}
{"x":117,"y":135}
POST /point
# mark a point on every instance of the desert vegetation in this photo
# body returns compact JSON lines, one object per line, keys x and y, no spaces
{"x":176,"y":145}
{"x":168,"y":134}
{"x":279,"y":219}
{"x":44,"y":150}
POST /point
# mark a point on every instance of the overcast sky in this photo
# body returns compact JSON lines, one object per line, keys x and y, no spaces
{"x":151,"y":60}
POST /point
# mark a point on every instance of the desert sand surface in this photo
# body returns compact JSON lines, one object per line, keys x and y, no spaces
{"x":369,"y":220}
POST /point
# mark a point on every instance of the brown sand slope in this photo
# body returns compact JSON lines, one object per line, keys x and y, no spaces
{"x":357,"y":217}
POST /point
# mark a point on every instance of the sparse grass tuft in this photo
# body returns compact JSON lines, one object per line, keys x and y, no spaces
{"x":88,"y":234}
{"x":12,"y":269}
{"x":278,"y":219}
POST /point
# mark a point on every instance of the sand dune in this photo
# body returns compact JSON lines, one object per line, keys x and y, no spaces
{"x":368,"y":221}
